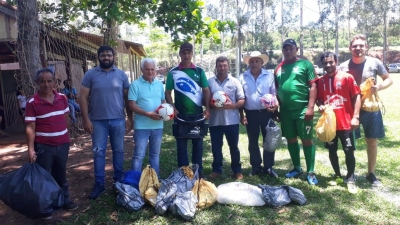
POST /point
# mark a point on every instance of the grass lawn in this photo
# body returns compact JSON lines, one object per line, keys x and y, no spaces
{"x":326,"y":204}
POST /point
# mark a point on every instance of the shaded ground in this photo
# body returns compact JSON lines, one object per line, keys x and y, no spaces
{"x":80,"y":174}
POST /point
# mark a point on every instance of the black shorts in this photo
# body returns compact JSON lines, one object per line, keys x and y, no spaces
{"x":21,"y":111}
{"x":346,"y":138}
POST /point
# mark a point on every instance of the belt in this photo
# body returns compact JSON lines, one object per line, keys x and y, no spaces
{"x":256,"y":110}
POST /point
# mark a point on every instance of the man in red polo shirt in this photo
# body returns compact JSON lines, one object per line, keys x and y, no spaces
{"x":46,"y":117}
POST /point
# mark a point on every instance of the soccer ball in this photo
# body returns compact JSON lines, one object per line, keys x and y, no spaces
{"x":219,"y":99}
{"x":268,"y":100}
{"x":166,"y":111}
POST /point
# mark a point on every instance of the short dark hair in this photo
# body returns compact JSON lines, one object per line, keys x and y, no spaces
{"x":360,"y":37}
{"x":328,"y":54}
{"x":44,"y":70}
{"x":221,"y":59}
{"x":65,"y":82}
{"x":105,"y":48}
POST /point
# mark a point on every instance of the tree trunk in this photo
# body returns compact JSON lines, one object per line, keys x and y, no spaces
{"x":111,"y":37}
{"x":28,"y":43}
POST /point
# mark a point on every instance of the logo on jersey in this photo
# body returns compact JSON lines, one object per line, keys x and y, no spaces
{"x":186,"y":85}
{"x":338,"y":85}
{"x":296,"y":69}
{"x":336,"y":101}
{"x":280,"y":71}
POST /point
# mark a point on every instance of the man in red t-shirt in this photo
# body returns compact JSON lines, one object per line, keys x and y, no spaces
{"x":340,"y":91}
{"x":46,"y":117}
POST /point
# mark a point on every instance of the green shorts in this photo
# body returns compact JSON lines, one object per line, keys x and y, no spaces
{"x":293,"y":124}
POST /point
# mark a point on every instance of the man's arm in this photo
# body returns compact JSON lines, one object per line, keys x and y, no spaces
{"x":311,"y":101}
{"x":135,"y":108}
{"x":206,"y":99}
{"x":168,"y":98}
{"x":387,"y":81}
{"x":355,"y":121}
{"x":83,"y":100}
{"x":239,"y":104}
{"x":30,"y":139}
{"x":128,"y":110}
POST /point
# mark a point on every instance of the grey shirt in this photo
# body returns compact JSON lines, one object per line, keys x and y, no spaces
{"x":106,"y":99}
{"x":371,"y":67}
{"x":232,"y":87}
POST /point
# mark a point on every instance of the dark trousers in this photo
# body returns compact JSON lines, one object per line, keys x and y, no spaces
{"x":257,"y":120}
{"x":232,"y":137}
{"x":197,"y":152}
{"x":54,"y":159}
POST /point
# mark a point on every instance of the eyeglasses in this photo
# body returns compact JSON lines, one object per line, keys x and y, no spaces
{"x":106,"y":55}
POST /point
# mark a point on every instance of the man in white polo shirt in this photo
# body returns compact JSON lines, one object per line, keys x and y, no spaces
{"x":225,"y":120}
{"x":145,"y":95}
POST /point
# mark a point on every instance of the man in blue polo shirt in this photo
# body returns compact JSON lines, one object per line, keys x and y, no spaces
{"x":102,"y":100}
{"x":145,"y":95}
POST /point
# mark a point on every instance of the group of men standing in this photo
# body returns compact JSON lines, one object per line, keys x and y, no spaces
{"x":106,"y":95}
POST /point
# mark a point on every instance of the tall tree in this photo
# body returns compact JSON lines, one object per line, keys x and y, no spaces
{"x":28,"y":42}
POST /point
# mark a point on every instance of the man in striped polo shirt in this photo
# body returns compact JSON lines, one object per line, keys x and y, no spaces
{"x":46,"y":117}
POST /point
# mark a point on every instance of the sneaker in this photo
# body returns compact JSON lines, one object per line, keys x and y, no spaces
{"x":70,"y":206}
{"x":98,"y":189}
{"x":294,"y":173}
{"x":47,"y":217}
{"x":272,"y":173}
{"x":312,"y":179}
{"x":373,"y":180}
{"x":238,"y":176}
{"x":213,"y":175}
{"x":351,"y":187}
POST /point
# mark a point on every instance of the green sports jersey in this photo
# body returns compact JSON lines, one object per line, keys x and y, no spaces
{"x":293,"y":82}
{"x":187,"y":84}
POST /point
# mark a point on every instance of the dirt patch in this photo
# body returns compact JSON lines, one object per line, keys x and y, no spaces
{"x":79,"y":174}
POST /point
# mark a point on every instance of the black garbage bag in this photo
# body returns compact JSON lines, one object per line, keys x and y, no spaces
{"x":166,"y":196}
{"x":273,"y":137}
{"x":129,"y":197}
{"x":184,"y":205}
{"x":31,"y":191}
{"x":275,"y":196}
{"x":185,"y":177}
{"x":296,"y":195}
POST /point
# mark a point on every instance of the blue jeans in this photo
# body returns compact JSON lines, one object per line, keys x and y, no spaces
{"x":73,"y":107}
{"x":142,"y":137}
{"x":102,"y":129}
{"x":232,"y":137}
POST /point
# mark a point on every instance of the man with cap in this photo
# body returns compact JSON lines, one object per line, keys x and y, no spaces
{"x":191,"y":91}
{"x":295,"y":80}
{"x":257,"y":82}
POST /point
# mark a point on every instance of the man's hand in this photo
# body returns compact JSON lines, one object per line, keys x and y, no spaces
{"x":128,"y":125}
{"x":272,"y":108}
{"x":229,"y":105}
{"x":176,"y":112}
{"x":309,"y":114}
{"x":376,"y":88}
{"x":206,"y":114}
{"x":88,"y":126}
{"x":321,"y":109}
{"x":31,"y":156}
{"x":154,"y":116}
{"x":243,"y":121}
{"x":355,"y":123}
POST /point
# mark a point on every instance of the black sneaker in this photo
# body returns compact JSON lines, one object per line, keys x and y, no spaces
{"x":47,"y":216}
{"x":70,"y":206}
{"x":272,"y":173}
{"x":98,"y":189}
{"x":373,"y":180}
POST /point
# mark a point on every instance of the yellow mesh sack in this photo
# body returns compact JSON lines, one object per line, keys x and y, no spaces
{"x":205,"y":192}
{"x":148,"y":179}
{"x":369,"y":101}
{"x":326,"y":125}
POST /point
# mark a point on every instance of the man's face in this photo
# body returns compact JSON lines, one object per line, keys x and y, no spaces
{"x":289,"y":52}
{"x":106,"y":59}
{"x":149,"y":71}
{"x":222,"y":68}
{"x":358,"y":48}
{"x":186,"y":56}
{"x":329,"y":65}
{"x":46,"y":82}
{"x":255,"y":63}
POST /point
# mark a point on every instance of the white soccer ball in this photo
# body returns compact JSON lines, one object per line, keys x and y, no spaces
{"x":268,"y":100}
{"x":219,"y":99}
{"x":166,"y":111}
